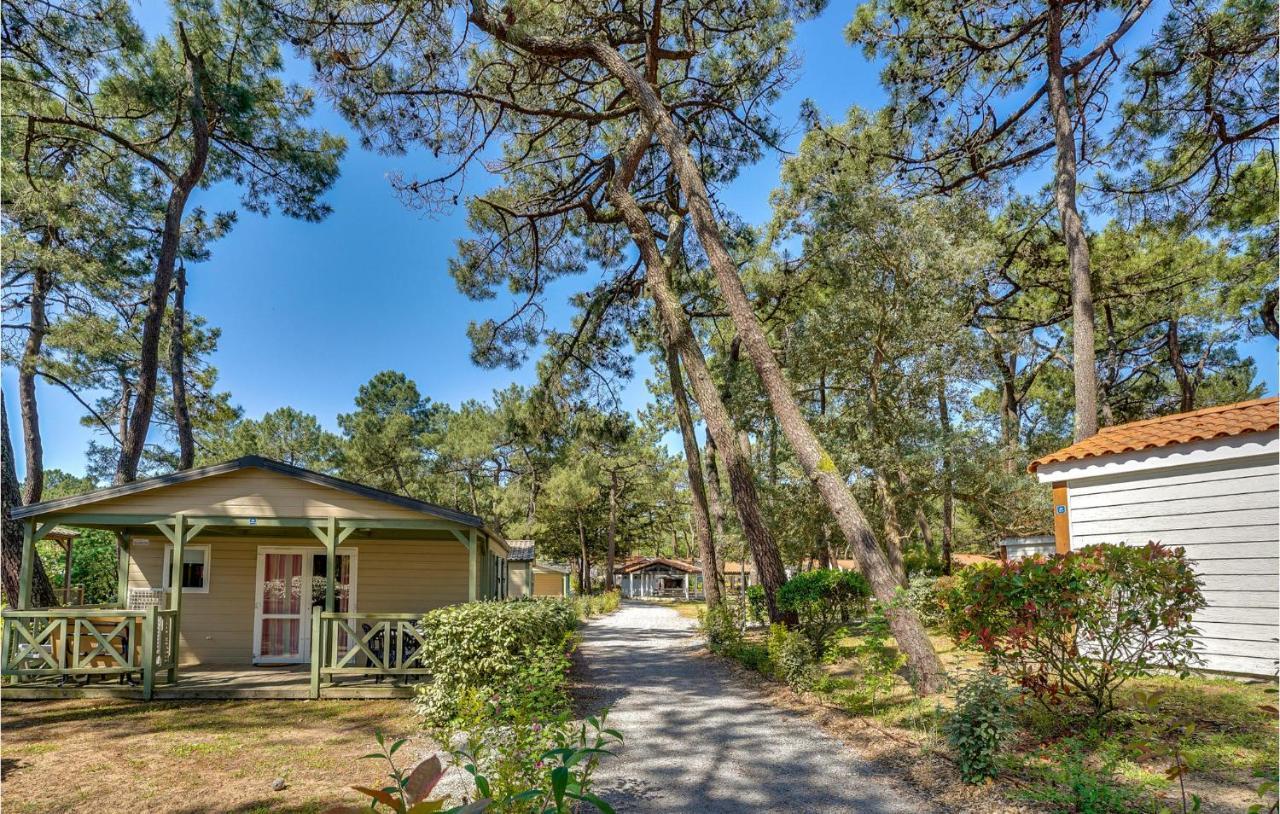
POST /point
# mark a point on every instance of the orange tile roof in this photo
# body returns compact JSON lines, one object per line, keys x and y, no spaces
{"x":1260,"y":415}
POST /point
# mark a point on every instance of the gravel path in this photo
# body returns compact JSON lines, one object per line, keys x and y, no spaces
{"x":700,"y":740}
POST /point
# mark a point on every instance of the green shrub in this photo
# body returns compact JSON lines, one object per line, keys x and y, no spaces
{"x":1083,"y":622}
{"x":513,"y":653}
{"x":720,"y":627}
{"x":757,"y":611}
{"x":925,"y":594}
{"x":589,"y":605}
{"x":791,"y":658}
{"x":983,"y":718}
{"x":823,"y":601}
{"x":879,"y":661}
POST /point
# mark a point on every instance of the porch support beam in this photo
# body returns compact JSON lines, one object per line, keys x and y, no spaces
{"x":123,"y":546}
{"x":330,"y":536}
{"x":28,"y":565}
{"x":473,"y":561}
{"x":346,"y":526}
{"x":331,"y":566}
{"x":178,"y":535}
{"x":66,"y":571}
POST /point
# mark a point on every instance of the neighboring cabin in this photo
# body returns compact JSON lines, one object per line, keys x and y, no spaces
{"x":531,"y":578}
{"x":659,"y":576}
{"x":1205,"y":481}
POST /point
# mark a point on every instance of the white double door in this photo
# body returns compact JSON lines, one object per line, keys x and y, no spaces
{"x":290,"y":585}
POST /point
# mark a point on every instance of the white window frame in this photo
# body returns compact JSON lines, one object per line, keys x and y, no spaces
{"x":167,"y":574}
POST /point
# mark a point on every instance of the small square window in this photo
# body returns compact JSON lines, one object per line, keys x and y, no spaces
{"x":195,"y":568}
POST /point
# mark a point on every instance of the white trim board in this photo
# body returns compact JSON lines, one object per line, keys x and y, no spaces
{"x":1265,"y":445}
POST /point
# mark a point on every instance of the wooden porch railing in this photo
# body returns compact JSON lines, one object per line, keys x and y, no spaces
{"x":75,"y":643}
{"x":365,"y":644}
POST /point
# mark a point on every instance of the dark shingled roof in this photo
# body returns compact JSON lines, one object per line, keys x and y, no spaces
{"x":520,"y":550}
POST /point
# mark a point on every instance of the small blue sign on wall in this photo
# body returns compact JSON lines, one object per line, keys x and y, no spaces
{"x":1059,"y":509}
{"x":253,"y":521}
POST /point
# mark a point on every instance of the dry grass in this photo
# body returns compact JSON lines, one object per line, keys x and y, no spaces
{"x":193,"y":756}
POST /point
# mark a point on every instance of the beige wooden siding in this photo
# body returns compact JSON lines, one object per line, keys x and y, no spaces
{"x":217,"y":627}
{"x":1226,"y":514}
{"x":250,"y":493}
{"x":520,"y":581}
{"x":548,"y":584}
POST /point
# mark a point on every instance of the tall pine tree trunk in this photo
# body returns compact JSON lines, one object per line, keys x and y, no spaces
{"x":584,"y":578}
{"x":135,"y":441}
{"x":817,"y":464}
{"x":42,"y":595}
{"x":701,"y":514}
{"x":612,"y":532}
{"x":178,"y":374}
{"x":742,"y":487}
{"x":1064,"y":197}
{"x":948,"y":497}
{"x":37,"y":329}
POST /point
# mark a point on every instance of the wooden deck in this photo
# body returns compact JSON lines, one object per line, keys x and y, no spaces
{"x":284,"y":682}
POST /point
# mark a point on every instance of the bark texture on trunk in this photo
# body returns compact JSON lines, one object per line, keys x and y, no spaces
{"x":892,"y":529}
{"x":1064,"y":197}
{"x":584,"y":578}
{"x":178,"y":371}
{"x":612,"y":532}
{"x":135,"y":440}
{"x":816,"y":462}
{"x":742,"y":485}
{"x":701,"y":513}
{"x":42,"y":595}
{"x":1186,"y":383}
{"x":715,"y":494}
{"x":948,"y":508}
{"x":37,"y":329}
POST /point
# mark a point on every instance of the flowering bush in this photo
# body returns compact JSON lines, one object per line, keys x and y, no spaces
{"x":823,"y":601}
{"x":1082,"y":622}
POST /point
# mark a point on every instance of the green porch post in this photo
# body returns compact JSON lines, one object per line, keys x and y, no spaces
{"x":566,"y":584}
{"x":123,"y":545}
{"x":317,"y":653}
{"x":179,"y":540}
{"x":149,"y":628}
{"x":331,"y":566}
{"x":473,"y":548}
{"x":28,"y":565}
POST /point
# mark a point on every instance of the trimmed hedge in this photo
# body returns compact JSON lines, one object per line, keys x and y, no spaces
{"x":487,"y":647}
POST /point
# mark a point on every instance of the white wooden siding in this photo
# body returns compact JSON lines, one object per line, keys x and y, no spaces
{"x":1226,"y":514}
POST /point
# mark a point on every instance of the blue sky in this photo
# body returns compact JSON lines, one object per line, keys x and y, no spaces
{"x":309,"y":312}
